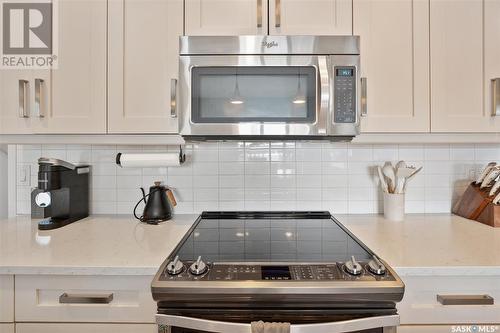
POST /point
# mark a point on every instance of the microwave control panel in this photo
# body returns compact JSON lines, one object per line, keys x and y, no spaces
{"x":345,"y":94}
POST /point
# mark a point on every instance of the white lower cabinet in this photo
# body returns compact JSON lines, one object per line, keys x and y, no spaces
{"x":85,"y":328}
{"x":7,"y":328}
{"x":6,"y":300}
{"x":84,"y":299}
{"x":420,"y":305}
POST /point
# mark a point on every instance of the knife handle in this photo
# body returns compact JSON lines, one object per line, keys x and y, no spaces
{"x":495,"y":171}
{"x":494,"y":188}
{"x":485,"y":172}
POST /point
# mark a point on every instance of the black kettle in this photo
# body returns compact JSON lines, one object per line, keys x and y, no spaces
{"x":159,"y":202}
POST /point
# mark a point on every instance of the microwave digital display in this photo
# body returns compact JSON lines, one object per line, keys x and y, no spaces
{"x":345,"y":72}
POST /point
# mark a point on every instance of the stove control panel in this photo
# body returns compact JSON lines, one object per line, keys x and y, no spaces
{"x":364,"y":271}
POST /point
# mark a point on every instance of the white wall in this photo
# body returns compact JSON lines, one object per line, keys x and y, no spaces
{"x":338,"y":177}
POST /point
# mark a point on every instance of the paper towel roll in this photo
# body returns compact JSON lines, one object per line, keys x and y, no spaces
{"x":148,"y":160}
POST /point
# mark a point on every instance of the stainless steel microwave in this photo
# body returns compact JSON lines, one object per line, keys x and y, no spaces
{"x":268,"y":87}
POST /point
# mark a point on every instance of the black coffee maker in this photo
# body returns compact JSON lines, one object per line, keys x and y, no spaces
{"x":62,"y":195}
{"x":159,"y":202}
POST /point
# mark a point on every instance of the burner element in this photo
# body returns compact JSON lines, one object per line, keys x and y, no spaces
{"x":376,"y":267}
{"x":175,"y":267}
{"x":353,"y":267}
{"x":198,"y":267}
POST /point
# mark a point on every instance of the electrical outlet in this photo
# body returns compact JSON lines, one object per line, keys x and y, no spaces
{"x":24,"y":175}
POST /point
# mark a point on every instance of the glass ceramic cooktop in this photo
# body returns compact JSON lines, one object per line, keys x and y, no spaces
{"x":270,"y":237}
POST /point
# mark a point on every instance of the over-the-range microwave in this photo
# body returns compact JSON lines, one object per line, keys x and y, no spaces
{"x":268,"y":87}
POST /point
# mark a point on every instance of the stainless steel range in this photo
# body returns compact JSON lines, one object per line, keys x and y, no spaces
{"x":302,"y":268}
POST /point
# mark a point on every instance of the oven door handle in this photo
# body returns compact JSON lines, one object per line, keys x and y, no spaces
{"x":324,"y":94}
{"x":229,"y":327}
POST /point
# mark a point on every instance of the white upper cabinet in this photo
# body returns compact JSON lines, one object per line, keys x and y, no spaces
{"x":465,"y":51}
{"x":143,"y":60}
{"x":225,"y":17}
{"x":75,"y":92}
{"x":72,"y":97}
{"x":311,"y":17}
{"x":395,"y":62}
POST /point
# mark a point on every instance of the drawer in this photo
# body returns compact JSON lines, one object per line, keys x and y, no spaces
{"x":6,"y":328}
{"x":420,"y":304}
{"x":96,"y":299}
{"x":86,"y":328}
{"x":6,"y":298}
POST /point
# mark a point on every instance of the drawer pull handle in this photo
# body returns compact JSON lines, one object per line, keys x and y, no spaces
{"x":85,"y":299}
{"x":465,"y":299}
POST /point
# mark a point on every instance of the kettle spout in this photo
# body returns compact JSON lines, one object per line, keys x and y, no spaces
{"x":143,"y":194}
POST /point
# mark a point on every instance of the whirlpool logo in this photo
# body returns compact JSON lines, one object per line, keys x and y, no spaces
{"x":474,"y":329}
{"x":28,"y":34}
{"x":270,"y":44}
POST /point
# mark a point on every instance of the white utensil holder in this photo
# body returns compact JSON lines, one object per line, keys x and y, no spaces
{"x":394,"y":206}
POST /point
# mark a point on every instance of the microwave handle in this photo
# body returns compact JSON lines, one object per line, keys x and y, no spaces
{"x":345,"y":326}
{"x":364,"y":97}
{"x":324,"y":92}
{"x":173,"y":98}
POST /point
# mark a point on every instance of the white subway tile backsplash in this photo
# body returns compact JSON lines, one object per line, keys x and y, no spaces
{"x":276,"y":175}
{"x":308,"y":154}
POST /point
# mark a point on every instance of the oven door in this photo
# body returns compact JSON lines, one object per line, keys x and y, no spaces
{"x":249,"y":95}
{"x":181,"y":324}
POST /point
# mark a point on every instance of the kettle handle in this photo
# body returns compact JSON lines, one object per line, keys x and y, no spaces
{"x":143,"y":194}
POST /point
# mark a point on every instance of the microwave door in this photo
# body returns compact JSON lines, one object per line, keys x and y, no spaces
{"x":254,"y":96}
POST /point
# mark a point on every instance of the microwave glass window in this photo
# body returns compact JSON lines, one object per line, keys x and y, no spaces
{"x":250,"y":94}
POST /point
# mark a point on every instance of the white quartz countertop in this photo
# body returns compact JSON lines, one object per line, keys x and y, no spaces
{"x":433,"y":244}
{"x":109,"y":245}
{"x":100,"y":245}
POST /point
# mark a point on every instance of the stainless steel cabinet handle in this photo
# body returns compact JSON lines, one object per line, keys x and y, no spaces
{"x":23,"y":99}
{"x":173,"y":98}
{"x":259,"y":13}
{"x":331,"y":327}
{"x":39,"y":102}
{"x":277,"y":14}
{"x":364,"y":97}
{"x":85,"y":298}
{"x":465,"y":299}
{"x":495,"y":84}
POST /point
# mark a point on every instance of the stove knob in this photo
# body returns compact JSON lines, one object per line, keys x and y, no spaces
{"x":353,"y":267}
{"x":175,"y":267}
{"x":376,"y":267}
{"x":198,"y":267}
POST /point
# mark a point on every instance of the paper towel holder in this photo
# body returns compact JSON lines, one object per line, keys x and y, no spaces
{"x":182,"y":157}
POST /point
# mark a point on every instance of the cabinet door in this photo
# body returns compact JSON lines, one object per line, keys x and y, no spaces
{"x":6,"y":298}
{"x":16,"y":116}
{"x":143,"y":60}
{"x":310,"y":17}
{"x":225,"y":17}
{"x":464,"y":57}
{"x":491,"y":53}
{"x":85,"y":328}
{"x":75,"y":92}
{"x":395,"y":62}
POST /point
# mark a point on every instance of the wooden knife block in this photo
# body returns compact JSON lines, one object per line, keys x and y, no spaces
{"x":475,"y":204}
